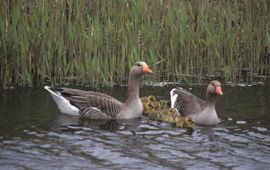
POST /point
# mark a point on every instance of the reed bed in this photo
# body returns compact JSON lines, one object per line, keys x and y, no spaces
{"x":94,"y":42}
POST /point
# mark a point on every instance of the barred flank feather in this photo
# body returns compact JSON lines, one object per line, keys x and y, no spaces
{"x":93,"y":105}
{"x":186,"y":103}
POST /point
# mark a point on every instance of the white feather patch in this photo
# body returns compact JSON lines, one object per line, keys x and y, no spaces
{"x":173,"y":97}
{"x":62,"y":103}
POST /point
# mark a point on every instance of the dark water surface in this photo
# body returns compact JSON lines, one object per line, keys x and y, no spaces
{"x":35,"y":135}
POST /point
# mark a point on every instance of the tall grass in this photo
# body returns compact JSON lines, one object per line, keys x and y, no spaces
{"x":95,"y":41}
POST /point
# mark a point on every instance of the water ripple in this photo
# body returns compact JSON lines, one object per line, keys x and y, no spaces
{"x":55,"y":141}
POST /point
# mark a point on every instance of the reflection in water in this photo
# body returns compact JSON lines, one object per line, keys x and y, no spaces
{"x":68,"y":123}
{"x":34,"y":135}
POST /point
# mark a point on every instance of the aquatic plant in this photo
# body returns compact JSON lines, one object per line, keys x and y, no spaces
{"x":95,"y":41}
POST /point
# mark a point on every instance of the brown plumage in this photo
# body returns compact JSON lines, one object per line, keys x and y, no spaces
{"x":95,"y":105}
{"x":202,"y":112}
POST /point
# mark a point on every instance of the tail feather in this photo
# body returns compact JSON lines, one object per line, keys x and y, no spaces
{"x":64,"y":105}
{"x":173,"y":97}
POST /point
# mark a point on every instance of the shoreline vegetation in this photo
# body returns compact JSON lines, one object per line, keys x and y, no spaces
{"x":94,"y":42}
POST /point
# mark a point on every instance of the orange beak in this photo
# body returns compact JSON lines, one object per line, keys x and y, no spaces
{"x":219,"y":90}
{"x":147,"y":70}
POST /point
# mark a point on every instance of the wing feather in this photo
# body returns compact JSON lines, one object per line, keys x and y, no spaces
{"x":92,"y":105}
{"x":185,"y":102}
{"x":93,"y":113}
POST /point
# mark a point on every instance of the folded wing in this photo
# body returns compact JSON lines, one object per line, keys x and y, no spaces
{"x":93,"y":105}
{"x":185,"y":102}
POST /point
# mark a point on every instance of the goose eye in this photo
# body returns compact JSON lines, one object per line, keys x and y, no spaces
{"x":138,"y":65}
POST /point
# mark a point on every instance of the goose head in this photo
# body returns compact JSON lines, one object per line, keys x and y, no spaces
{"x":162,"y":104}
{"x":213,"y":90}
{"x":214,"y":87}
{"x":140,"y":68}
{"x":151,"y":98}
{"x":148,"y":108}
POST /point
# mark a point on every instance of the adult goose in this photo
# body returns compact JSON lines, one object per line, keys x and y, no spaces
{"x":202,"y":112}
{"x":95,"y":105}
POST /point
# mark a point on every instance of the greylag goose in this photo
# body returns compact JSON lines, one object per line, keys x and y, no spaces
{"x":202,"y":112}
{"x":95,"y":105}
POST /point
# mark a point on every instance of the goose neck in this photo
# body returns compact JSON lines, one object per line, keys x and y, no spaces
{"x":211,"y":98}
{"x":134,"y":87}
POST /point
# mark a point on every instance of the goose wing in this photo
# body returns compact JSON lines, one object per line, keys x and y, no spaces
{"x":93,"y":105}
{"x":185,"y":102}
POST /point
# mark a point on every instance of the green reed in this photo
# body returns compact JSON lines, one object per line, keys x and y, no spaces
{"x":96,"y":41}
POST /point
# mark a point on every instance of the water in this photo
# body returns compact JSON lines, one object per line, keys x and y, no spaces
{"x":35,"y":135}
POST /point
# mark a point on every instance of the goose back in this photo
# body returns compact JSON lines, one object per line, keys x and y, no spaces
{"x":185,"y":102}
{"x":93,"y":105}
